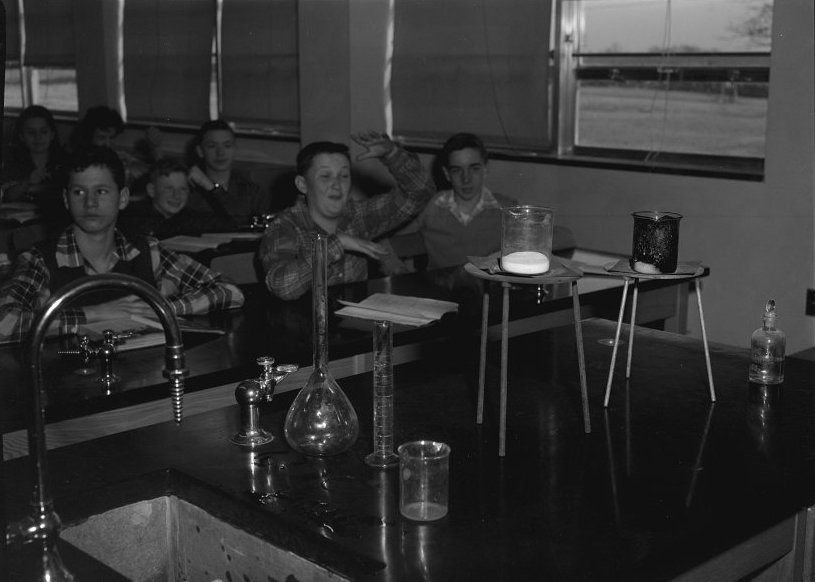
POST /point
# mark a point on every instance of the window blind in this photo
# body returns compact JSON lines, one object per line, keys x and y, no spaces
{"x":167,"y":51}
{"x":259,"y":63}
{"x":480,"y":66}
{"x":49,"y":33}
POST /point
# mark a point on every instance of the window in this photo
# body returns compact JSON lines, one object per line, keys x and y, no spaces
{"x":656,"y":82}
{"x":656,"y":79}
{"x":41,"y":69}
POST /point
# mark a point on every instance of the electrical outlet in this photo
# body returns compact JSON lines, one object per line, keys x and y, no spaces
{"x":810,"y":306}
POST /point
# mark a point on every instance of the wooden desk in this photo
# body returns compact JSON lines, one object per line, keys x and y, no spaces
{"x":77,"y":409}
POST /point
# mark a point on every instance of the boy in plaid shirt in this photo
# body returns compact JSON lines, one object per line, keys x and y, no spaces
{"x":95,"y":192}
{"x":324,"y":179}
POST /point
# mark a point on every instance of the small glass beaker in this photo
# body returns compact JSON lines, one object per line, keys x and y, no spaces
{"x":424,"y":475}
{"x":526,"y":239}
{"x":656,"y":242}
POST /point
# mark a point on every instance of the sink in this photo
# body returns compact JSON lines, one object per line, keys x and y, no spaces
{"x":181,"y":534}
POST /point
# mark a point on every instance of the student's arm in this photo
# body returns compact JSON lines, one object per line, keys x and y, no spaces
{"x":190,"y":287}
{"x":24,"y":294}
{"x":414,"y":188}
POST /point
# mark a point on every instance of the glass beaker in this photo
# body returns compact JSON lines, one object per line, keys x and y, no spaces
{"x":656,"y":242}
{"x":526,"y":239}
{"x":321,"y":421}
{"x":424,"y":476}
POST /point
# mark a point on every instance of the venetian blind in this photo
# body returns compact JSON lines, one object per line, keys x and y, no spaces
{"x":49,"y":33}
{"x":168,"y":60}
{"x":259,"y":63}
{"x":480,"y":66}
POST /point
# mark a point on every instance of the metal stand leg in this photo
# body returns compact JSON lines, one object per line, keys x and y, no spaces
{"x":704,"y":341}
{"x":581,"y":358}
{"x":616,"y":342}
{"x":631,"y":328}
{"x":502,"y":436}
{"x":482,"y":364}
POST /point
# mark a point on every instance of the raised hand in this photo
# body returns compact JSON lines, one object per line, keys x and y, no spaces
{"x":376,"y":144}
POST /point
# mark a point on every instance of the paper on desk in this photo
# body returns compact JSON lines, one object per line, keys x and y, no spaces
{"x":185,"y":243}
{"x":413,"y":311}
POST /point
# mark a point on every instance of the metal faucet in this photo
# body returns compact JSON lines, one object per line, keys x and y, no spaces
{"x":43,"y":524}
{"x":250,"y":394}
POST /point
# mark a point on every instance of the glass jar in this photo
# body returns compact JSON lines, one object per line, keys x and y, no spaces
{"x":526,"y":239}
{"x":321,"y":421}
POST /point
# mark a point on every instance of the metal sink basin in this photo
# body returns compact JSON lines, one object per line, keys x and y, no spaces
{"x":169,"y":538}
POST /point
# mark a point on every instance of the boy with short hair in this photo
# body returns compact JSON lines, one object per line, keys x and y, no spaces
{"x":218,"y":189}
{"x":164,"y":213}
{"x":94,"y":194}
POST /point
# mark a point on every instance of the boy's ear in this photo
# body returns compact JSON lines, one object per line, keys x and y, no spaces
{"x":151,"y":190}
{"x":124,"y":197}
{"x":65,"y":198}
{"x":300,"y":182}
{"x":447,"y":175}
{"x":200,"y":151}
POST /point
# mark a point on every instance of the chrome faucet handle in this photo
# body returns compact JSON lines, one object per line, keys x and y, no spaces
{"x":85,"y":351}
{"x":107,"y":353}
{"x":250,"y":394}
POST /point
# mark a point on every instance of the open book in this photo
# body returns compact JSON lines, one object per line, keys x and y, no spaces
{"x":413,"y":311}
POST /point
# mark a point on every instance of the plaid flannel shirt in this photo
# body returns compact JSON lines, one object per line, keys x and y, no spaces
{"x":189,"y":286}
{"x":287,"y":244}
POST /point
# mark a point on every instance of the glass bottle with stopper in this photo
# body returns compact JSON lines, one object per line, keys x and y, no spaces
{"x":767,"y":350}
{"x":321,"y":421}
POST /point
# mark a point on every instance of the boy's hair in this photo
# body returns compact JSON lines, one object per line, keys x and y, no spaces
{"x":212,"y":125}
{"x":461,"y":141}
{"x":97,"y":117}
{"x":100,"y":157}
{"x":305,"y":156}
{"x":165,"y":167}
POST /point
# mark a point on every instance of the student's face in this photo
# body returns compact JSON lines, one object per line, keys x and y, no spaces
{"x":217,"y":149}
{"x":467,"y":171}
{"x":104,"y":136}
{"x":169,"y":193}
{"x":37,"y":135}
{"x":94,"y":200}
{"x":326,"y":184}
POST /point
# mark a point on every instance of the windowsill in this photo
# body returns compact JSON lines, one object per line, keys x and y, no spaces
{"x":725,"y":168}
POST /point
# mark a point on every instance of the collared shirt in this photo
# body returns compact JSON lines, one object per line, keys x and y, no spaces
{"x":287,"y":245}
{"x":189,"y":286}
{"x":447,"y":199}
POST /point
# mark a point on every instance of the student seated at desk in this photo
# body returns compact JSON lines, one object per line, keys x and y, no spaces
{"x":464,"y":220}
{"x":94,"y":194}
{"x":101,"y":126}
{"x":164,"y":213}
{"x":32,"y":172}
{"x":219,"y":190}
{"x":324,"y":179}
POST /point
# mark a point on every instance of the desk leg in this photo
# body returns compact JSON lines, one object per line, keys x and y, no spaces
{"x":631,"y":329}
{"x":704,"y":340}
{"x":581,"y":358}
{"x":502,"y":435}
{"x":482,"y":364}
{"x":626,"y":281}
